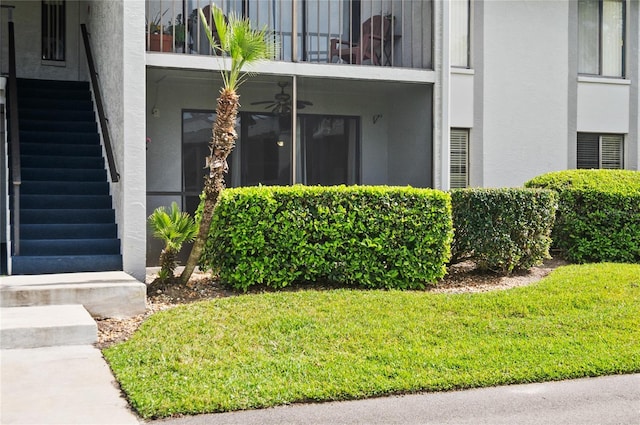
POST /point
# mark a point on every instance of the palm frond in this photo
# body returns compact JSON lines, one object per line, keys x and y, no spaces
{"x":242,"y":43}
{"x":173,"y":228}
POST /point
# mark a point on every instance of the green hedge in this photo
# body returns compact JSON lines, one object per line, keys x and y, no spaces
{"x":375,"y":237}
{"x":502,"y":229}
{"x":598,"y":217}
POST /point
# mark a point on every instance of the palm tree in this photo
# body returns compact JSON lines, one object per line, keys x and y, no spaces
{"x":243,"y":45}
{"x":174,"y":228}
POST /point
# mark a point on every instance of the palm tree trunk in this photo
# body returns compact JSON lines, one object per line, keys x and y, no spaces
{"x":222,"y":143}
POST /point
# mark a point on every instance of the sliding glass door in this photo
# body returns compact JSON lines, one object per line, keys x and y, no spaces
{"x":327,"y":151}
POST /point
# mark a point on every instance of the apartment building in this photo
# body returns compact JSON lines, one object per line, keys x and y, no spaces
{"x":400,"y":92}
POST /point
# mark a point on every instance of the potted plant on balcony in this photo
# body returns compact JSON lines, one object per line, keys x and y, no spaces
{"x":177,"y":31}
{"x":159,"y":39}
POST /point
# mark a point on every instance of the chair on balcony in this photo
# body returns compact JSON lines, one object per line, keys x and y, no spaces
{"x":376,"y":31}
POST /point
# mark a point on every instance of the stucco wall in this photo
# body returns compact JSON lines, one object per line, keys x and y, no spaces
{"x":461,"y":98}
{"x":117,"y":37}
{"x":525,"y":87}
{"x":603,"y":105}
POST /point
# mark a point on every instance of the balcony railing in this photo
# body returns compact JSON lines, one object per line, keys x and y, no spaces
{"x":395,"y":33}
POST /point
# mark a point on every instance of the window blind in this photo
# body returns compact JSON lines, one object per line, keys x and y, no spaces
{"x":611,"y":152}
{"x":588,"y":150}
{"x":459,"y":158}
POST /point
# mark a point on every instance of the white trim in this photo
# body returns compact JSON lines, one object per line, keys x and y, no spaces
{"x":215,"y":63}
{"x":463,"y":71}
{"x":604,"y":80}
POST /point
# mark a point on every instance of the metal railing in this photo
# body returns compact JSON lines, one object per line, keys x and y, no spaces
{"x":104,"y":128}
{"x":14,"y":133}
{"x":360,"y":32}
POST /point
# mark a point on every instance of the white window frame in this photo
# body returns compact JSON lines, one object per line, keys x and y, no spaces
{"x":466,"y":35}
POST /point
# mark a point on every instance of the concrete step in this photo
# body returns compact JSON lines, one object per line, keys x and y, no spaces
{"x":103,"y":294}
{"x":46,"y":326}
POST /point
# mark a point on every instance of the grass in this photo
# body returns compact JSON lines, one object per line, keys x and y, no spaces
{"x":263,"y":350}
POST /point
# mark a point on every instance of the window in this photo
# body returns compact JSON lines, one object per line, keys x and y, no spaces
{"x":53,"y":30}
{"x":196,"y":134}
{"x":265,"y":149}
{"x":327,"y":151}
{"x":601,"y":37}
{"x":459,"y":33}
{"x":459,"y":158}
{"x":600,"y":150}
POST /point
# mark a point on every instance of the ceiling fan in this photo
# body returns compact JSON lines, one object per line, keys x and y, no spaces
{"x":281,"y":104}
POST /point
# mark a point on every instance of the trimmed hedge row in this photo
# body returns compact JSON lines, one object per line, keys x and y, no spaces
{"x":502,"y":229}
{"x":598,"y":217}
{"x":375,"y":237}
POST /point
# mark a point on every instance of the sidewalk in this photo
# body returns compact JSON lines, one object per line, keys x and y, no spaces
{"x":59,"y":385}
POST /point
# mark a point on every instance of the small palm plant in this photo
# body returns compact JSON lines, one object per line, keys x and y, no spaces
{"x":174,"y":228}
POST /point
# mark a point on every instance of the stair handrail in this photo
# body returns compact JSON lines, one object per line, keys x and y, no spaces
{"x":15,"y":138}
{"x":104,"y":129}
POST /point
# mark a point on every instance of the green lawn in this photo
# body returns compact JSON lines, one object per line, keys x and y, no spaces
{"x":262,"y":350}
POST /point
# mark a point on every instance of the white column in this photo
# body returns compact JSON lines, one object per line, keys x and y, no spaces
{"x":134,"y":221}
{"x":441,"y":95}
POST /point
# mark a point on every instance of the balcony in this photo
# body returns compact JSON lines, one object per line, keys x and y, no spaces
{"x":353,"y":32}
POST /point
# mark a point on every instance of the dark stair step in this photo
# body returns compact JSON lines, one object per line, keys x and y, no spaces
{"x":76,"y":105}
{"x":70,"y":247}
{"x":59,"y":126}
{"x":89,"y":202}
{"x":53,"y":93}
{"x":45,"y":161}
{"x":69,"y":216}
{"x":31,"y":265}
{"x":60,"y":149}
{"x":52,"y":84}
{"x":59,"y":137}
{"x":56,"y":115}
{"x":64,"y":188}
{"x":64,"y":174}
{"x":68,"y":231}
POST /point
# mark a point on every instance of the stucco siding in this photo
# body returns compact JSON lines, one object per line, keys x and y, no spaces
{"x":525,"y":90}
{"x":461,"y":98}
{"x":117,"y":36}
{"x":603,"y":105}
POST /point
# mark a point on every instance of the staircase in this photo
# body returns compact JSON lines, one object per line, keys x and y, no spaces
{"x":67,"y":223}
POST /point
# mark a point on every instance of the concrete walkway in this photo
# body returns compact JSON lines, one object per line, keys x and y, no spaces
{"x":59,"y":385}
